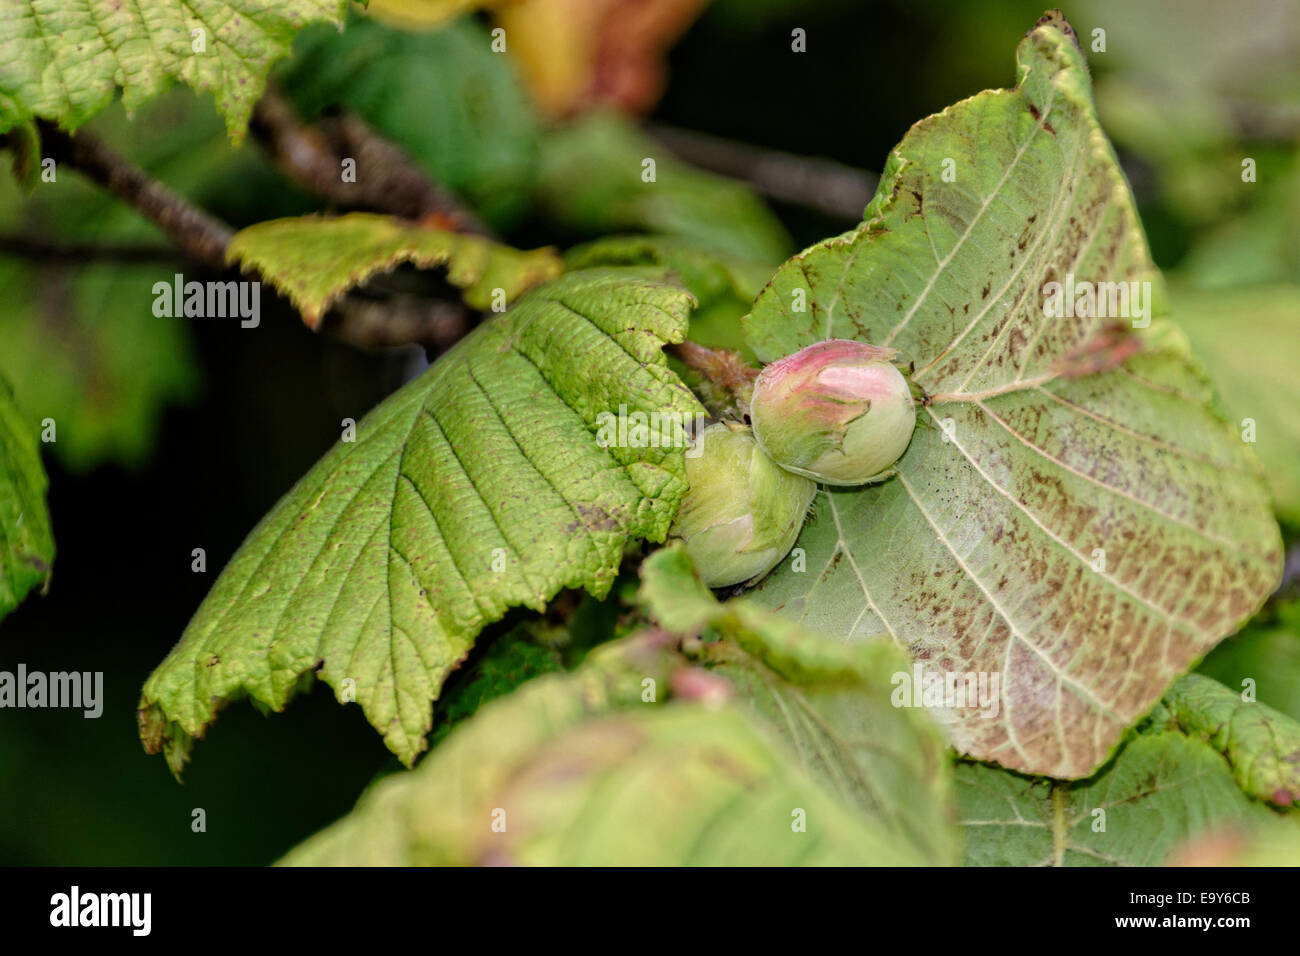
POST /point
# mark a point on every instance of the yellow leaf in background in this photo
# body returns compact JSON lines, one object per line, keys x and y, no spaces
{"x":576,"y":54}
{"x":426,"y":14}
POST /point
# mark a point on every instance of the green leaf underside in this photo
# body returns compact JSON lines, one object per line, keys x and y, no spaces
{"x":63,"y":60}
{"x":26,"y":540}
{"x":1261,"y":745}
{"x":829,"y":702}
{"x":582,"y":771}
{"x":315,"y":259}
{"x":979,"y":555}
{"x":379,"y":564}
{"x":1186,"y":778}
{"x":1162,"y":790}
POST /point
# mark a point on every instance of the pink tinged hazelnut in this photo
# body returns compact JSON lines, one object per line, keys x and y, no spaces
{"x":837,"y":411}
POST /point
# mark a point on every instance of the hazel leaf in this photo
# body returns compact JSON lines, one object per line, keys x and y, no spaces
{"x":64,"y":60}
{"x":1261,"y":745}
{"x":832,"y":704}
{"x":584,"y":769}
{"x":1070,"y":516}
{"x":1162,"y":789}
{"x":26,"y":539}
{"x":479,"y":486}
{"x":315,"y":259}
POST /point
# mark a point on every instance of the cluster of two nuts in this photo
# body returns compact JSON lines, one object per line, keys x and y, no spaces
{"x":837,"y":412}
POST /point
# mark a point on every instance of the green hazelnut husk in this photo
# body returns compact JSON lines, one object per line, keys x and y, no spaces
{"x":741,"y":514}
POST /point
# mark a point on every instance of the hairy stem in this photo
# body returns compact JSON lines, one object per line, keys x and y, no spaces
{"x":723,"y":379}
{"x":200,"y":236}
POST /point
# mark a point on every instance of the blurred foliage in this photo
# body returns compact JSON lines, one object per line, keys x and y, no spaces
{"x":26,"y":540}
{"x":1195,"y":87}
{"x":1275,"y":844}
{"x":592,"y":183}
{"x":578,"y":54}
{"x":1266,"y":652}
{"x":572,"y":54}
{"x":1248,"y":337}
{"x":588,"y":779}
{"x":1261,"y":244}
{"x":89,"y":354}
{"x":82,"y":345}
{"x":457,"y":107}
{"x":426,"y":14}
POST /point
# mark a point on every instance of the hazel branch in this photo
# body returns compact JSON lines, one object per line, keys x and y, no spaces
{"x":824,"y":185}
{"x":79,"y":253}
{"x":387,"y":181}
{"x":362,"y":321}
{"x":200,"y":236}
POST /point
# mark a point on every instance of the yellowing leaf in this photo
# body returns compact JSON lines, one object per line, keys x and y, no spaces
{"x":580,"y":53}
{"x":476,"y":138}
{"x":315,"y":259}
{"x":591,"y":181}
{"x":426,"y":14}
{"x":1070,"y":517}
